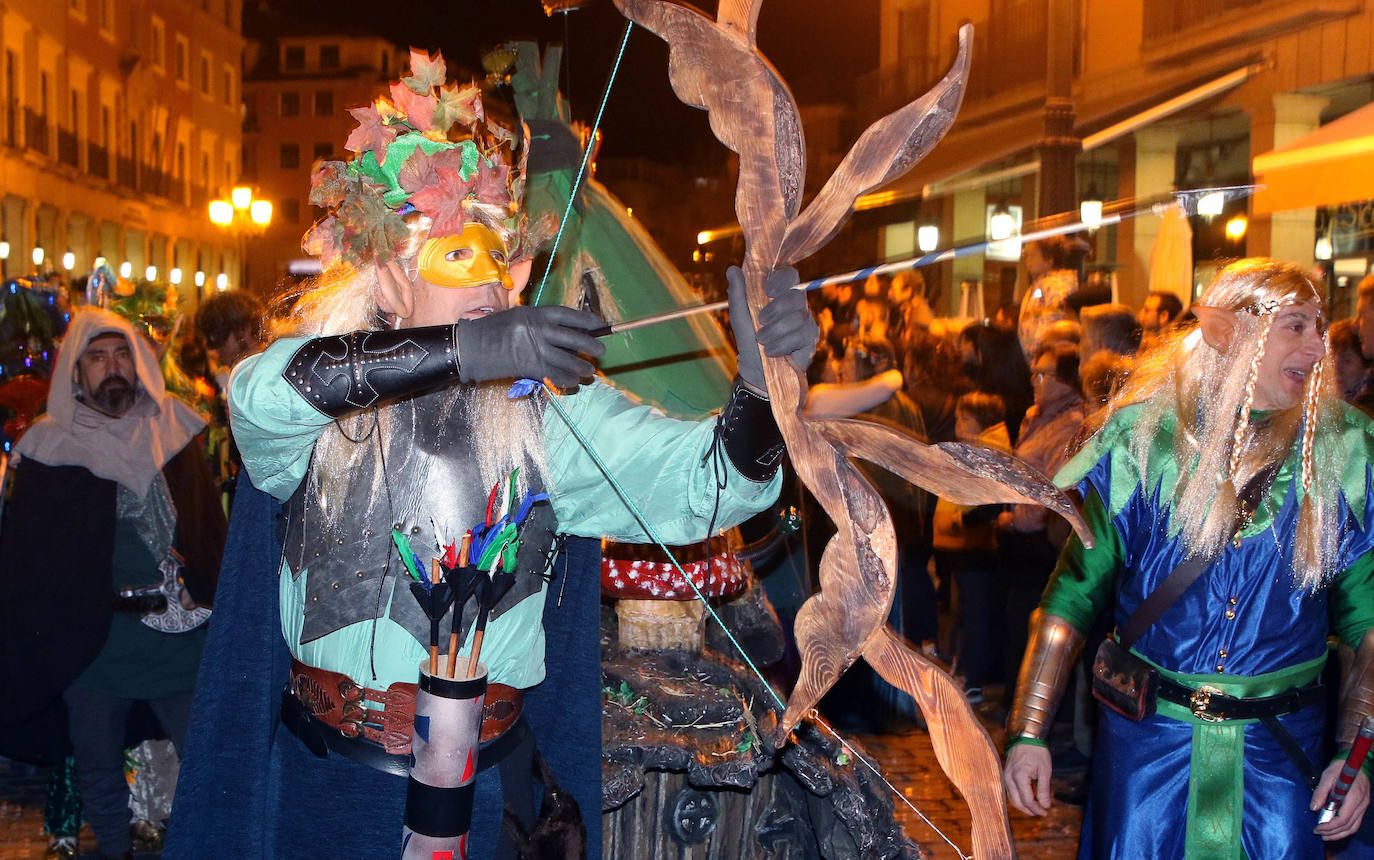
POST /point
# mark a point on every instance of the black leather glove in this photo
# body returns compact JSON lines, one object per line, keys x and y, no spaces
{"x":529,"y":342}
{"x":786,"y":326}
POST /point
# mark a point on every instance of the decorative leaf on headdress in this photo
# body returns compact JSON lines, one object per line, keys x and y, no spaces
{"x":371,"y":134}
{"x":426,"y":72}
{"x":462,"y":158}
{"x":371,"y":229}
{"x":493,"y":183}
{"x":323,"y":241}
{"x":416,"y":172}
{"x":417,"y":108}
{"x":461,"y":106}
{"x":329,"y":184}
{"x":443,"y":202}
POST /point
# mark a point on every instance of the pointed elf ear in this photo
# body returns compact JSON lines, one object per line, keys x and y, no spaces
{"x":520,"y":274}
{"x":395,"y":293}
{"x":1218,"y":326}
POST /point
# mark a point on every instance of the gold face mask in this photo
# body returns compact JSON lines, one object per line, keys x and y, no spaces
{"x":471,"y":258}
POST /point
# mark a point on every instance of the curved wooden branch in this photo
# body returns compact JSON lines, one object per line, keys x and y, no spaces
{"x":885,"y":151}
{"x":951,"y":724}
{"x":963,"y":474}
{"x":715,"y":65}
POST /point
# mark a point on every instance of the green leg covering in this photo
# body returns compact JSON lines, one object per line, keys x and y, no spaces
{"x":62,"y":812}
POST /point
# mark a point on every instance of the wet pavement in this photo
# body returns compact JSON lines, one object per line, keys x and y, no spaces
{"x":907,"y":760}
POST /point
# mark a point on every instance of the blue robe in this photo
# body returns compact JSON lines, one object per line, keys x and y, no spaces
{"x":1172,"y":785}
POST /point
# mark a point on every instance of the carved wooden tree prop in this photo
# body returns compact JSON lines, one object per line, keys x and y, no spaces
{"x":715,"y":65}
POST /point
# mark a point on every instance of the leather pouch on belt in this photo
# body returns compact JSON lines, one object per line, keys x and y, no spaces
{"x":1124,"y":682}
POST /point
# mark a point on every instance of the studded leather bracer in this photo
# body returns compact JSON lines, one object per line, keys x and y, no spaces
{"x":749,"y":434}
{"x":341,"y":374}
{"x":1054,"y":644}
{"x":1357,"y":692}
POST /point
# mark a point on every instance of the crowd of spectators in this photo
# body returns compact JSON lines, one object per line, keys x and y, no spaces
{"x":1029,"y":380}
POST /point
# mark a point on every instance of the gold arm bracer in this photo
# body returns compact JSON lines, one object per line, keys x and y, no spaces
{"x":1050,"y":654}
{"x":1357,"y":692}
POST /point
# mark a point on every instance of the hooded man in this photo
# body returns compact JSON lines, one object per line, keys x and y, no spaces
{"x":112,"y":493}
{"x":390,"y":413}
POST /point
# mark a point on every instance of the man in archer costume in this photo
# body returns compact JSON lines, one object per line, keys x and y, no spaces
{"x":1229,"y":455}
{"x":389,"y":409}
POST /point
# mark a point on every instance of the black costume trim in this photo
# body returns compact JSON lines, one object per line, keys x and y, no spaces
{"x":749,"y":434}
{"x":341,"y":374}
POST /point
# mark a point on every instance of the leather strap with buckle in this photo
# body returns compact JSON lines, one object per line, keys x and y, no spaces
{"x":1212,"y":705}
{"x":336,"y":701}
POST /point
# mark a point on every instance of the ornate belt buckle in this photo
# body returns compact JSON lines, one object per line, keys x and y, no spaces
{"x":1201,"y":700}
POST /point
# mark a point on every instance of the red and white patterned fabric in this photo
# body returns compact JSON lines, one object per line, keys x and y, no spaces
{"x":647,"y":580}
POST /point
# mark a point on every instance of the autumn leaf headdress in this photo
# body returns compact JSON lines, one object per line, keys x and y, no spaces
{"x":429,"y":148}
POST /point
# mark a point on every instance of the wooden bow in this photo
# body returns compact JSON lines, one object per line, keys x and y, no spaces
{"x":716,"y":65}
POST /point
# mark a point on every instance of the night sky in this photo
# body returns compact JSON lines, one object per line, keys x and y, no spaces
{"x":819,"y":46}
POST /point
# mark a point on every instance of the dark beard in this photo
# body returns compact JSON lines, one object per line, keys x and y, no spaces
{"x":113,"y":396}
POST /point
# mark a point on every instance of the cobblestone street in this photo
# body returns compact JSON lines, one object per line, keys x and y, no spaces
{"x":906,"y":757}
{"x":908,"y":762}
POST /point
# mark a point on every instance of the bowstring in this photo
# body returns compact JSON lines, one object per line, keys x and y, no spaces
{"x":586,"y":156}
{"x":652,"y":532}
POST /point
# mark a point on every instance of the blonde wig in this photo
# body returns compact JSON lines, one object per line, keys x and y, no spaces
{"x":1218,"y":448}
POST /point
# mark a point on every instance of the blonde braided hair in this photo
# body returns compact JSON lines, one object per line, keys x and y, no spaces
{"x":1206,"y":396}
{"x":1247,"y":401}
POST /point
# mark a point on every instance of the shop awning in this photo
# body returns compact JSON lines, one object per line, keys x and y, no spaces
{"x":1334,"y":164}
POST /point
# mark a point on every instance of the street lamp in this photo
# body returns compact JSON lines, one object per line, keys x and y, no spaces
{"x":239,"y":214}
{"x":150,"y":273}
{"x":927,"y":238}
{"x":69,"y":261}
{"x":199,"y":279}
{"x":1210,"y":204}
{"x":38,"y":256}
{"x":1235,"y":228}
{"x":175,"y":277}
{"x":221,"y":212}
{"x":1001,"y":225}
{"x":126,"y":270}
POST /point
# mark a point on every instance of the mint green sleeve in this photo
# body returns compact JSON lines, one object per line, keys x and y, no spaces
{"x":1351,"y":601}
{"x":661,"y":463}
{"x":1081,"y":585}
{"x":274,"y":428}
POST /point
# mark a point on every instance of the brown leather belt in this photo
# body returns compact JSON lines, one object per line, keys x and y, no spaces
{"x":335,"y":700}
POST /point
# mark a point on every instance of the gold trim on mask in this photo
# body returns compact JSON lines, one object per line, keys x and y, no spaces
{"x":443,"y":264}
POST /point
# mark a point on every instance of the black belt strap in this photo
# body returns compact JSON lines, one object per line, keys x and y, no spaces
{"x":1207,"y":705}
{"x":1292,"y":750}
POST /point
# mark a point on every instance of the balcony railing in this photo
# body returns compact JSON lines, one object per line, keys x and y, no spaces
{"x":35,"y":131}
{"x":1008,"y":52}
{"x":68,"y":148}
{"x":1165,"y":18}
{"x":126,"y":173}
{"x":98,"y":161}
